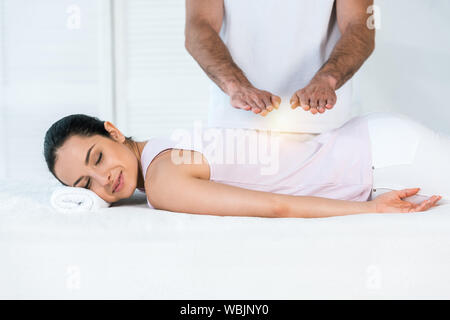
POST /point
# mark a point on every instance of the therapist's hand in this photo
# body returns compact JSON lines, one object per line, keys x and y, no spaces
{"x":318,"y":96}
{"x":249,"y":98}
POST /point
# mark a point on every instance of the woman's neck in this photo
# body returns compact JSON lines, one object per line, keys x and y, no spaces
{"x":137,"y":147}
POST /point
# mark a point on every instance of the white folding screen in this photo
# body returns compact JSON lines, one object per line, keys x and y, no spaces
{"x":159,"y":86}
{"x":55,"y":61}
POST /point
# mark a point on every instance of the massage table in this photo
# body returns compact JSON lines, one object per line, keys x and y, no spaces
{"x":129,"y":251}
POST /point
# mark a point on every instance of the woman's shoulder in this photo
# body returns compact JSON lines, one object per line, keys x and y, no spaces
{"x":157,"y":153}
{"x":173,"y":162}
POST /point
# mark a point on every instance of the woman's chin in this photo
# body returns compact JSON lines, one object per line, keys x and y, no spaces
{"x":126,"y":192}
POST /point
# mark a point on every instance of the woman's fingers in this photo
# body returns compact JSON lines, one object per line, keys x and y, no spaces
{"x":426,"y":204}
{"x":436,"y":203}
{"x":408,"y":192}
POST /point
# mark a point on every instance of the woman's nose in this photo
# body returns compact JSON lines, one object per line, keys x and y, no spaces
{"x":104,"y":179}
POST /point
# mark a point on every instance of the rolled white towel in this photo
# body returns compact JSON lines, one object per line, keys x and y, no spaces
{"x":73,"y":199}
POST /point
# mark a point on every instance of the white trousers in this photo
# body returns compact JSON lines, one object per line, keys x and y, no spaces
{"x":407,"y":154}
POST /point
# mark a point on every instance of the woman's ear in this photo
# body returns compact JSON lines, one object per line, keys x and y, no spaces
{"x":114,"y":132}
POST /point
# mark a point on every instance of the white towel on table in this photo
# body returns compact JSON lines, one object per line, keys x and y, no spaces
{"x":74,"y":199}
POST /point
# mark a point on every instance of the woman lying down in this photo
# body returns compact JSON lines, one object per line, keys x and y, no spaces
{"x":378,"y":162}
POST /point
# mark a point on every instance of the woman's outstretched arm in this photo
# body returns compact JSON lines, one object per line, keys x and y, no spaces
{"x":181,"y":188}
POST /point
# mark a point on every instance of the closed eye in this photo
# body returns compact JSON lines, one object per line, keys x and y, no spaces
{"x":99,"y":158}
{"x":98,"y":161}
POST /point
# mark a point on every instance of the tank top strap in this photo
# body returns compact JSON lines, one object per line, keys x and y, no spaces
{"x":158,"y":144}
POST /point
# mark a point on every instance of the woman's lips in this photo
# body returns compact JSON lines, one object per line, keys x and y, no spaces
{"x":121,"y":183}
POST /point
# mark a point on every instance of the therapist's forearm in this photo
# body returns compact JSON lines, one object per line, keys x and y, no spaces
{"x":208,"y":49}
{"x":353,"y":48}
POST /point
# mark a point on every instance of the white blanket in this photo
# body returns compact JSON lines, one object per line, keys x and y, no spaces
{"x":130,"y":251}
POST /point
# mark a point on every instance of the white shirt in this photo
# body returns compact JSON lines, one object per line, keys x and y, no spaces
{"x":336,"y":164}
{"x":279,"y":45}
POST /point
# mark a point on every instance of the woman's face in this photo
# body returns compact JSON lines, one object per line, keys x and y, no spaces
{"x":96,"y":163}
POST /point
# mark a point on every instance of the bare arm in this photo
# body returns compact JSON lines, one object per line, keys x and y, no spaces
{"x":194,"y":195}
{"x":356,"y":44}
{"x":353,"y":48}
{"x":187,"y":188}
{"x":203,"y":23}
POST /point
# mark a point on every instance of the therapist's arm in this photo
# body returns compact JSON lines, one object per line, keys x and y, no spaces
{"x":356,"y":44}
{"x":202,"y":41}
{"x":187,"y":188}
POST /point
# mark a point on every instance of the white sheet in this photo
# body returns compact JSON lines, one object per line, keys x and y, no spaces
{"x":131,"y":251}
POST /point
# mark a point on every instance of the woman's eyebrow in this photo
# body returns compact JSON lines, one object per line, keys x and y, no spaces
{"x":88,"y":155}
{"x":86,"y":161}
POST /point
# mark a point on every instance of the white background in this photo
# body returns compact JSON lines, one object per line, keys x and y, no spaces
{"x":409,"y":69}
{"x":49,"y":68}
{"x":126,"y":62}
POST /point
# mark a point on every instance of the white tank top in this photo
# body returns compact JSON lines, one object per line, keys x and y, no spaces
{"x":279,"y":45}
{"x":336,"y":164}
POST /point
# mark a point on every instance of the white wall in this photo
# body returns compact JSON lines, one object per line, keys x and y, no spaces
{"x":409,"y":71}
{"x":159,"y":85}
{"x":54,"y":63}
{"x":49,"y":70}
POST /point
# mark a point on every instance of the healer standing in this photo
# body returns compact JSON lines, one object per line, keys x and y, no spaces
{"x":271,"y":54}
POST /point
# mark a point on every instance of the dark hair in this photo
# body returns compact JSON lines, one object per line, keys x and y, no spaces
{"x":63,"y":129}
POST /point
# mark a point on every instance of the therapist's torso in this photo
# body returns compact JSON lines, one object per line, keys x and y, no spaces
{"x":279,"y":45}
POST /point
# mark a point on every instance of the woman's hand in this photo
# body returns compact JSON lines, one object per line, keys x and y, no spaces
{"x":393,"y":202}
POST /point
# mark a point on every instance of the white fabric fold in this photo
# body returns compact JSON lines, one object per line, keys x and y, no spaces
{"x":73,"y":199}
